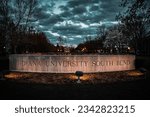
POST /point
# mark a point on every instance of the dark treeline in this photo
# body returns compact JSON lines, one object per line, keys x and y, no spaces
{"x":109,"y":40}
{"x":90,"y":45}
{"x":131,"y":35}
{"x":16,"y":33}
{"x":136,"y":24}
{"x":32,"y":42}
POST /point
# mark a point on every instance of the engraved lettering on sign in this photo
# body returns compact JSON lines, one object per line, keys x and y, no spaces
{"x":71,"y":63}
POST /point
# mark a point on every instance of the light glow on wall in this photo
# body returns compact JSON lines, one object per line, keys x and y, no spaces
{"x":71,"y":63}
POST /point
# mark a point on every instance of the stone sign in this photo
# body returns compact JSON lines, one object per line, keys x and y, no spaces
{"x":70,"y":63}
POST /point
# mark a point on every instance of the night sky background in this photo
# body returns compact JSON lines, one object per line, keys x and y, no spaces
{"x":74,"y":19}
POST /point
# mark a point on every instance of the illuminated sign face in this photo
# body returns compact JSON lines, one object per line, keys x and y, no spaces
{"x":71,"y":63}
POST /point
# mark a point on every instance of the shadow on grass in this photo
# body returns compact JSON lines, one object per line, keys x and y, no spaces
{"x":123,"y":90}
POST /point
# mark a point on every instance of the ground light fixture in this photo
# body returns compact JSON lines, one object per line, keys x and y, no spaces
{"x":79,"y":74}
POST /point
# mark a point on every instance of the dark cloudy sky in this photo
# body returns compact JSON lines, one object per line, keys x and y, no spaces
{"x":74,"y":19}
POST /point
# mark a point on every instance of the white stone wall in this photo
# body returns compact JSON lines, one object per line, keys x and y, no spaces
{"x":70,"y":63}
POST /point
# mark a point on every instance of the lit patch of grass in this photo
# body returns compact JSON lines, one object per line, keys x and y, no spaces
{"x":135,"y":73}
{"x":71,"y":78}
{"x":84,"y":77}
{"x":15,"y":75}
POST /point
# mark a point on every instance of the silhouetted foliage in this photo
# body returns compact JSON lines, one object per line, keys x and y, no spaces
{"x":90,"y":45}
{"x":136,"y":24}
{"x":35,"y":42}
{"x":102,"y":32}
{"x":16,"y":35}
{"x":109,"y":40}
{"x":13,"y":13}
{"x":115,"y":40}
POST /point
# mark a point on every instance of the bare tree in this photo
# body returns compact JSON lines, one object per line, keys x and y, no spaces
{"x":23,"y":11}
{"x":136,"y":22}
{"x":15,"y":16}
{"x":101,"y":32}
{"x":5,"y":22}
{"x":115,"y":39}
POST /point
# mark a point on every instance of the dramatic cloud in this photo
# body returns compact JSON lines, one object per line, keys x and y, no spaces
{"x":74,"y":20}
{"x":79,"y":10}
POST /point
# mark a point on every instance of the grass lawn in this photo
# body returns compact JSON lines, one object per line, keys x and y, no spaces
{"x":115,"y":85}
